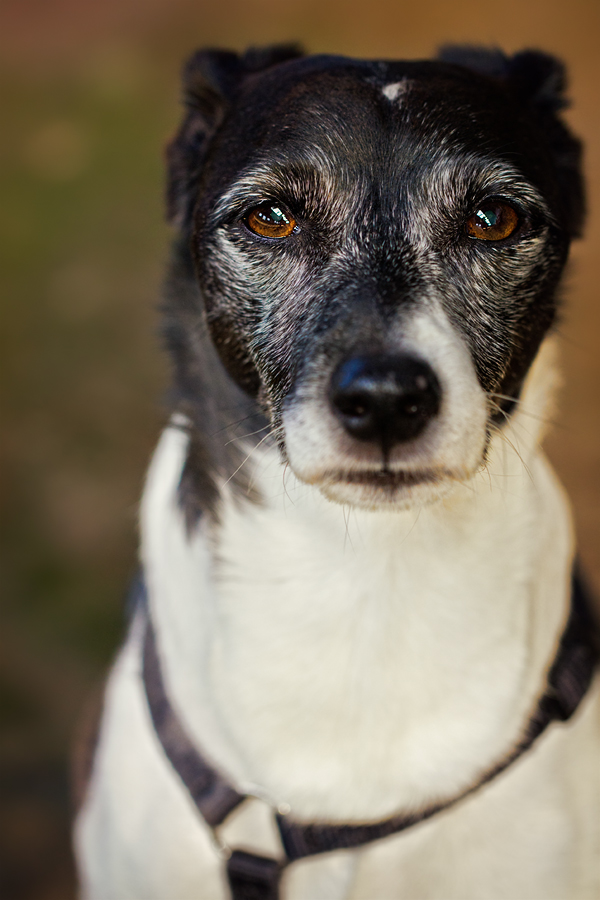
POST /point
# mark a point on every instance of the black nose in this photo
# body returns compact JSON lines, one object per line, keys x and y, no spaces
{"x":383,"y":398}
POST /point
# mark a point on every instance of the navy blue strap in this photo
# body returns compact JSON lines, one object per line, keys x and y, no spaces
{"x":212,"y":794}
{"x":254,"y":877}
{"x":568,"y":680}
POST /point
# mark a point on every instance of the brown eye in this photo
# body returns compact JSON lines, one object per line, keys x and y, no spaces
{"x":493,"y":221}
{"x":270,"y":220}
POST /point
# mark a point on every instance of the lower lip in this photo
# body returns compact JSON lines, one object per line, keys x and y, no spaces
{"x":386,"y":479}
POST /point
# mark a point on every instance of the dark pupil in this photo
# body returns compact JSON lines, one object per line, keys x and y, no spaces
{"x":274,"y":216}
{"x":487,"y":218}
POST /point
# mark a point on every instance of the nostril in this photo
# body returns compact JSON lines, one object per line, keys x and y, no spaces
{"x":352,"y":406}
{"x":383,"y":398}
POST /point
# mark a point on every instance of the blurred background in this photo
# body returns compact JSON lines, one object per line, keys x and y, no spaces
{"x":89,"y":96}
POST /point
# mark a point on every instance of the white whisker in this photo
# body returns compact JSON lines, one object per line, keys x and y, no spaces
{"x":244,"y":461}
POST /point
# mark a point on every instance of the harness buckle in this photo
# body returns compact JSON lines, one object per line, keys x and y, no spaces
{"x":223,"y":849}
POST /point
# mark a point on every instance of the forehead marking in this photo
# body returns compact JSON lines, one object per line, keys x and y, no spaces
{"x":395,"y":89}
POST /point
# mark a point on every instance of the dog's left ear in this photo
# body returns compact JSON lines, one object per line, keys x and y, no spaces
{"x":537,"y":80}
{"x":211,"y":80}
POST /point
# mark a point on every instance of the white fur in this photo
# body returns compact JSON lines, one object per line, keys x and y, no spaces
{"x":395,"y":89}
{"x":320,"y":451}
{"x":351,"y":664}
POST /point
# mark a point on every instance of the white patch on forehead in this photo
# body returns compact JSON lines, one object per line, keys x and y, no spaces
{"x":396,"y":89}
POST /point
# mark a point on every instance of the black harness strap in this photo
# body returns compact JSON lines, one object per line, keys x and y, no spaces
{"x":212,"y":794}
{"x":568,"y":680}
{"x":254,"y":877}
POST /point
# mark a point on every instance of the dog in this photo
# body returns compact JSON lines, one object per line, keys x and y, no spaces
{"x":356,"y":621}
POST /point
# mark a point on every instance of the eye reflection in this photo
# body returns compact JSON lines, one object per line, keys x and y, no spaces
{"x":270,"y":220}
{"x":493,"y":221}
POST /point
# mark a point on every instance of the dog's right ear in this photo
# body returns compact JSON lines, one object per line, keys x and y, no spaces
{"x":537,"y":80}
{"x":211,"y":79}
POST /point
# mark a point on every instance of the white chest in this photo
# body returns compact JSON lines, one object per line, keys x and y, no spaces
{"x":352,"y":664}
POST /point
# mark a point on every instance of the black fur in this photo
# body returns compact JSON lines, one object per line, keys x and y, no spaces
{"x":218,"y":412}
{"x":317,"y":135}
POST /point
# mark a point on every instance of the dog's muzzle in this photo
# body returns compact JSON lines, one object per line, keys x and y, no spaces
{"x":384,"y":399}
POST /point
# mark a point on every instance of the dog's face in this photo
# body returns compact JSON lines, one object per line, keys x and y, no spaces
{"x":378,"y":247}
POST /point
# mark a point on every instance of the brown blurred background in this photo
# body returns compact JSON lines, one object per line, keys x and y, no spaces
{"x":89,"y":94}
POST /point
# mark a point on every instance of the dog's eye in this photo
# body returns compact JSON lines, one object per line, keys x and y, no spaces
{"x":493,"y":221}
{"x":270,"y":220}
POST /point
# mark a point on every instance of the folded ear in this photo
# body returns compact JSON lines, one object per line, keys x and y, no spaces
{"x":211,"y":79}
{"x":537,"y":80}
{"x":538,"y":77}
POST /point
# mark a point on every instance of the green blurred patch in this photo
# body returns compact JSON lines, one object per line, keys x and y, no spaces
{"x":82,"y":241}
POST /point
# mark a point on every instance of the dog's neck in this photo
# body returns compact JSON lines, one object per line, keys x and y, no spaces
{"x":356,"y":663}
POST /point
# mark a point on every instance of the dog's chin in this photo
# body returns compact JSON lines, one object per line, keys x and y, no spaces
{"x":387,"y":490}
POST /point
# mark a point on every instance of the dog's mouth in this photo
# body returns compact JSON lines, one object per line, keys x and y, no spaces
{"x":389,"y":480}
{"x":386,"y":488}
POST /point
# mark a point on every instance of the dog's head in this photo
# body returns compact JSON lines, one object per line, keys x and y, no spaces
{"x":377,"y":251}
